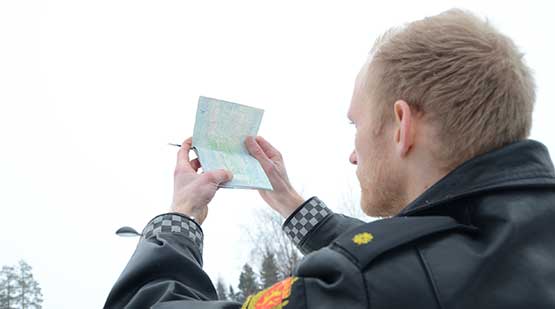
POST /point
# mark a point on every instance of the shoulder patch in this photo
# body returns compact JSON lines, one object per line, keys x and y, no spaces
{"x":274,"y":297}
{"x":368,"y":241}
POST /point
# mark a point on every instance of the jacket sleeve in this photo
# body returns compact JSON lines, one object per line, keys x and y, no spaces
{"x":166,"y":267}
{"x":165,"y":272}
{"x":313,"y":225}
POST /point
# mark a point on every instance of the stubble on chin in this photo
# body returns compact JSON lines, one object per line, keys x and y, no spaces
{"x":384,"y":197}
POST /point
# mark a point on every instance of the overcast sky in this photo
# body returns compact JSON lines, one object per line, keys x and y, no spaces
{"x":91,"y":92}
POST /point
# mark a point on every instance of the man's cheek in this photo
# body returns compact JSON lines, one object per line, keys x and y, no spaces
{"x":362,"y":174}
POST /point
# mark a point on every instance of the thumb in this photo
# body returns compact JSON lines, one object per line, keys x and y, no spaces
{"x":218,"y":176}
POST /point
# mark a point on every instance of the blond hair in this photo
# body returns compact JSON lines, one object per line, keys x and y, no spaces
{"x":460,"y":72}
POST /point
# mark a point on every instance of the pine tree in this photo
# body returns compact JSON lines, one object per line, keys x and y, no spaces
{"x":220,"y":288}
{"x":248,"y":284}
{"x":8,"y":286}
{"x":18,"y":288}
{"x":269,"y":269}
{"x":293,"y":260}
{"x":231,"y":294}
{"x":28,"y":291}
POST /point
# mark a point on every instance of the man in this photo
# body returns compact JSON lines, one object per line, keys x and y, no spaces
{"x":442,"y":110}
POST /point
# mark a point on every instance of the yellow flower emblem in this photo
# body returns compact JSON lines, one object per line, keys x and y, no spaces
{"x":363,"y":238}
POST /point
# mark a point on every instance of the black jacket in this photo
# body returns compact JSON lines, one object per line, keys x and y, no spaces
{"x":481,"y":237}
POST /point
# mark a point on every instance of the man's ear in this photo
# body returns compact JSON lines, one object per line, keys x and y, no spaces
{"x":404,"y":128}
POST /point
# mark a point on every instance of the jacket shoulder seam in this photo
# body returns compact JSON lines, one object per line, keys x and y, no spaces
{"x":347,"y":255}
{"x":430,"y":275}
{"x":366,"y":290}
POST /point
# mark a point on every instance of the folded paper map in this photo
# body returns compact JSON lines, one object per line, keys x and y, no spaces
{"x":219,"y":141}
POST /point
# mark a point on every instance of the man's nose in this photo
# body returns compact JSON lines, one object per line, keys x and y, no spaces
{"x":353,"y":158}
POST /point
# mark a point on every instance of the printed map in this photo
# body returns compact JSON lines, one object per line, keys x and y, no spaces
{"x":219,"y":141}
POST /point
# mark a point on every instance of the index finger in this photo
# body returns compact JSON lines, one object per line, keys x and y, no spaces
{"x":183,"y":154}
{"x":270,"y":150}
{"x":257,"y":152}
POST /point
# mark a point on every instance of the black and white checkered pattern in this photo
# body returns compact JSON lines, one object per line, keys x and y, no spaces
{"x":304,"y":219}
{"x":175,"y":223}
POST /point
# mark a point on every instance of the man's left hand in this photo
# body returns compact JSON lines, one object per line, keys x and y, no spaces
{"x":192,"y":191}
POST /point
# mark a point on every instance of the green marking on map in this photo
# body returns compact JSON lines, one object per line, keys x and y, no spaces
{"x":219,"y":141}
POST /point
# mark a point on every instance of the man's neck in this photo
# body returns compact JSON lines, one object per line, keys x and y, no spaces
{"x":421,"y":180}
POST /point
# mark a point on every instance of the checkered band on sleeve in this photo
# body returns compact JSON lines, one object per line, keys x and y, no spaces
{"x":304,"y":219}
{"x":175,"y":223}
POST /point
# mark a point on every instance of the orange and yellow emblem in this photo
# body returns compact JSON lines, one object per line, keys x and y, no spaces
{"x":363,"y":238}
{"x":274,"y":297}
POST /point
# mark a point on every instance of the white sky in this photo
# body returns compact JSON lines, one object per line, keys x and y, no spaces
{"x":91,"y":92}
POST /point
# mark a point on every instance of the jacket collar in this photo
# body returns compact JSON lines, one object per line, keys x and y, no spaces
{"x":523,"y":163}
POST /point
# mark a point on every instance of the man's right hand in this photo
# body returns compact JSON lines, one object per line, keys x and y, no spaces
{"x":283,"y":199}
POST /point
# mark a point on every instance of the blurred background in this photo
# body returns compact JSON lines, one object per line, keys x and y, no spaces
{"x":91,"y":92}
